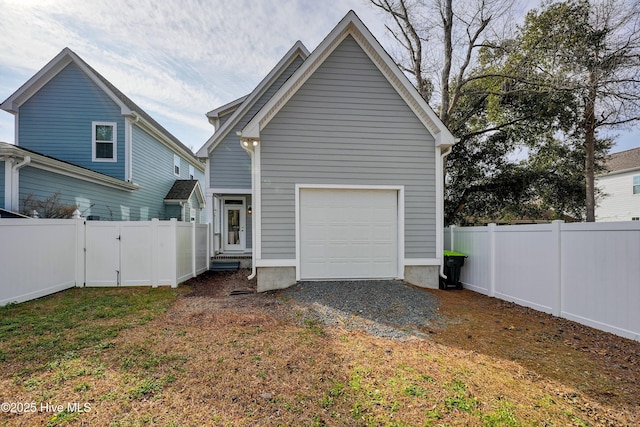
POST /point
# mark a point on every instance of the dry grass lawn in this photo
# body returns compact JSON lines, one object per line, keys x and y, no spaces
{"x":196,"y":356}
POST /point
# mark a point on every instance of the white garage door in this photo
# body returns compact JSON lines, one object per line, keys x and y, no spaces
{"x":348,"y":234}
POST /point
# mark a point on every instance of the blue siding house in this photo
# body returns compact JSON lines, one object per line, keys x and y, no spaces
{"x":331,"y":169}
{"x":80,"y":138}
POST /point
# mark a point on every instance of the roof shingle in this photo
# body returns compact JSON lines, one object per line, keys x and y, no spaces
{"x":629,"y":159}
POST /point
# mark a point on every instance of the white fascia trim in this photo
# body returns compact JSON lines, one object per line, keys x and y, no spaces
{"x":422,"y":262}
{"x":217,"y":190}
{"x":351,"y":25}
{"x":633,"y":171}
{"x":275,"y":263}
{"x":298,"y":49}
{"x":398,"y":188}
{"x":86,"y":175}
{"x":226,"y":107}
{"x":49,"y":71}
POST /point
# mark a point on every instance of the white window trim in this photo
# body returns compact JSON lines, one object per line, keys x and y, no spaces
{"x":176,"y":162}
{"x":192,"y":172}
{"x":634,"y":185}
{"x":94,"y":142}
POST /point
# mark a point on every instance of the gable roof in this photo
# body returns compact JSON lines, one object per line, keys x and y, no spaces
{"x":183,"y":189}
{"x":623,"y":161}
{"x":298,"y":50}
{"x":227,"y":108}
{"x":127,"y":106}
{"x":353,"y":26}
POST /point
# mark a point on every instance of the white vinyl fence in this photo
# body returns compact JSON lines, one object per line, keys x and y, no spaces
{"x":42,"y":256}
{"x":585,"y":272}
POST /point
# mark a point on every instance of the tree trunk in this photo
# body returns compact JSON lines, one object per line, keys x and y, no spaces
{"x":447,"y":26}
{"x":589,"y":148}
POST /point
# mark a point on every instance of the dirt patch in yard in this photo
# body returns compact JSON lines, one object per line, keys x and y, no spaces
{"x":602,"y":366}
{"x":206,"y":356}
{"x":597,"y":373}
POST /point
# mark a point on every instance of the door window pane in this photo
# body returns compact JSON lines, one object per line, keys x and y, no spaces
{"x":233,"y":221}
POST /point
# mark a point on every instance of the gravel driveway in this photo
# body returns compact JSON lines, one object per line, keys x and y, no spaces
{"x":388,"y":308}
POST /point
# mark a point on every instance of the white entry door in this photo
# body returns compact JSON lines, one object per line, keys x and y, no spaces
{"x":233,"y":237}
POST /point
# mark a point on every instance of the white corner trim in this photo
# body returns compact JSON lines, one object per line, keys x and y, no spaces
{"x":276,"y":263}
{"x":439,"y":202}
{"x":256,"y":200}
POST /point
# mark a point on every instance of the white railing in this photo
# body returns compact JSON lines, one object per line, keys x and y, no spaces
{"x":585,"y":272}
{"x":39,"y":256}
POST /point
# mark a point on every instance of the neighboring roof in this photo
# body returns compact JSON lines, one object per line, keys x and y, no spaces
{"x":61,"y":167}
{"x":127,"y":106}
{"x":226,"y":108}
{"x":183,"y":189}
{"x":248,"y":101}
{"x":623,"y":161}
{"x":353,"y":26}
{"x":10,"y":214}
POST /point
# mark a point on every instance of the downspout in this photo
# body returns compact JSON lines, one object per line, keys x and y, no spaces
{"x":15,"y":187}
{"x":249,"y":146}
{"x":128,"y":143}
{"x":443,"y":154}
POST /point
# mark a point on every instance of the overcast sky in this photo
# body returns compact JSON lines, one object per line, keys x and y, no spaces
{"x":175,"y":59}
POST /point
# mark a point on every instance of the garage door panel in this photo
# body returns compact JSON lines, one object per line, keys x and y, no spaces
{"x":348,"y":234}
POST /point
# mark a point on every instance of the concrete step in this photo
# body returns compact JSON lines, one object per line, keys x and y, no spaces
{"x":225,"y":266}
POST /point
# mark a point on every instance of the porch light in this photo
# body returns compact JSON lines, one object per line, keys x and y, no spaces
{"x":249,"y":210}
{"x":255,"y":142}
{"x":245,"y":143}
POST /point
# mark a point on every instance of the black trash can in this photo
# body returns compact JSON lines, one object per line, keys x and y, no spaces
{"x":453,"y":262}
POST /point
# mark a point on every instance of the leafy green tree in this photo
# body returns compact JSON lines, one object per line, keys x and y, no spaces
{"x":530,"y":92}
{"x":583,"y":57}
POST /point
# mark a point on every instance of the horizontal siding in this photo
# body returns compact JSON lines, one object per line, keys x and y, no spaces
{"x":56,"y":121}
{"x":347,"y":125}
{"x":153,"y":171}
{"x":91,"y":199}
{"x":230,"y":164}
{"x":225,"y":117}
{"x":618,"y":203}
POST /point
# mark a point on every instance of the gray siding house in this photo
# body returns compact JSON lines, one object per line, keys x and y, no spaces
{"x":342,"y":168}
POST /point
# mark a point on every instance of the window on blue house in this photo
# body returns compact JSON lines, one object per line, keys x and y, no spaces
{"x":104,"y":141}
{"x":636,"y":184}
{"x":192,"y":172}
{"x":176,"y":165}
